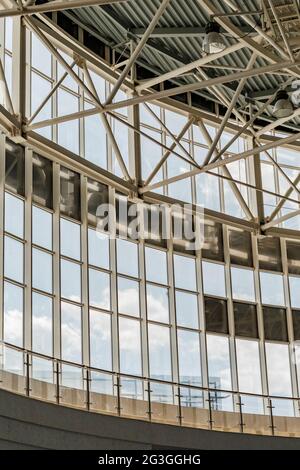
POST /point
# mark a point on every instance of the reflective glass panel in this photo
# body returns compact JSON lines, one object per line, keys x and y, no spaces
{"x":187,"y":309}
{"x":128,"y":297}
{"x":245,"y":320}
{"x":156,"y":258}
{"x":14,"y":215}
{"x":218,"y":362}
{"x":127,"y":257}
{"x":98,"y":249}
{"x":42,"y":330}
{"x":271,"y":289}
{"x":159,"y":352}
{"x":70,"y":332}
{"x":157,"y":303}
{"x":13,"y":259}
{"x":278,"y":367}
{"x":242,"y":284}
{"x":100,"y":340}
{"x":189,"y":357}
{"x":42,"y":179}
{"x":130,"y":346}
{"x":41,"y":228}
{"x":70,"y":239}
{"x":70,"y":280}
{"x":275,"y":324}
{"x":99,"y":289}
{"x":185,"y":272}
{"x":42,"y":270}
{"x":216,"y":315}
{"x":248,"y":365}
{"x":13,"y":314}
{"x":295,"y":291}
{"x":213,"y":279}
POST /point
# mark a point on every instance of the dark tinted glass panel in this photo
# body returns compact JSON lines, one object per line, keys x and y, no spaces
{"x":275,"y":324}
{"x":269,"y":253}
{"x":97,"y":197}
{"x":245,"y":320}
{"x":70,"y":193}
{"x":293,"y":255}
{"x":216,"y":315}
{"x":240,"y":247}
{"x":126,"y":214}
{"x":213,"y":241}
{"x":296,"y":323}
{"x":183,"y":233}
{"x":42,"y":181}
{"x":14,"y":167}
{"x":154,"y":224}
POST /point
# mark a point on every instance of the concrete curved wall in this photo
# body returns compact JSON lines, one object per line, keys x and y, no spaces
{"x":26,"y":423}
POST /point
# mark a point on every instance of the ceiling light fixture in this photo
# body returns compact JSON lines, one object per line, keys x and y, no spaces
{"x":283,"y":107}
{"x":213,"y":40}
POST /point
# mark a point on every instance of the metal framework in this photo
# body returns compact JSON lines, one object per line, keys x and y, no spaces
{"x":278,"y":58}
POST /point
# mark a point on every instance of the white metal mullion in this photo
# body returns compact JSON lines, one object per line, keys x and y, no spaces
{"x":28,"y":250}
{"x":231,"y":326}
{"x":113,"y":284}
{"x":289,"y":319}
{"x":84,"y":273}
{"x":56,"y":261}
{"x":2,"y":185}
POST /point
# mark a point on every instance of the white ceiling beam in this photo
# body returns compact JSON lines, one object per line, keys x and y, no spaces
{"x":281,"y":219}
{"x":277,"y":123}
{"x":133,"y":57}
{"x":55,"y":5}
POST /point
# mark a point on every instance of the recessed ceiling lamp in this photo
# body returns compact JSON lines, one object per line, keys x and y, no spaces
{"x":213,"y":40}
{"x":283,"y":107}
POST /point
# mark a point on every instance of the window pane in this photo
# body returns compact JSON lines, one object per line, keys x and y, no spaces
{"x":70,"y":193}
{"x":212,"y":247}
{"x":130,"y":346}
{"x":70,"y":239}
{"x":269,"y":253}
{"x":99,"y":289}
{"x":218,"y":362}
{"x":185,"y":273}
{"x":70,"y":332}
{"x":278,"y":367}
{"x":42,"y":324}
{"x":187,"y":310}
{"x":216,"y":315}
{"x":40,"y":56}
{"x":189,"y":357}
{"x":42,"y":270}
{"x":100,"y":340}
{"x":271,"y":289}
{"x":13,"y":314}
{"x":156,"y":258}
{"x":240,"y":247}
{"x":248,"y":365}
{"x":42,"y":181}
{"x":242,"y":284}
{"x":245,"y":320}
{"x":159,"y":352}
{"x":293,"y":255}
{"x":127,"y":258}
{"x":97,"y":200}
{"x":41,"y":228}
{"x":68,"y":132}
{"x":295,"y":291}
{"x":128,"y":297}
{"x":213,"y":279}
{"x":157,"y":303}
{"x":296,"y":324}
{"x":13,"y":259}
{"x":14,"y":167}
{"x":98,"y":249}
{"x":14,"y":215}
{"x":70,"y":280}
{"x":95,"y":141}
{"x":275,"y":324}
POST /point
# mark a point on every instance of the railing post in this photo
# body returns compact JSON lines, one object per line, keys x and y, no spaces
{"x":179,"y":406}
{"x":240,"y":406}
{"x":210,"y":420}
{"x":87,"y":379}
{"x":148,"y":391}
{"x":27,"y":377}
{"x":56,"y":373}
{"x":272,"y":426}
{"x":118,"y":387}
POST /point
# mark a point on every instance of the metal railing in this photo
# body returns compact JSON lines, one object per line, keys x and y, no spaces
{"x":150,"y":399}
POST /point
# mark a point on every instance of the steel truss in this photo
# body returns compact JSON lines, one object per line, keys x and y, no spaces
{"x":20,"y":124}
